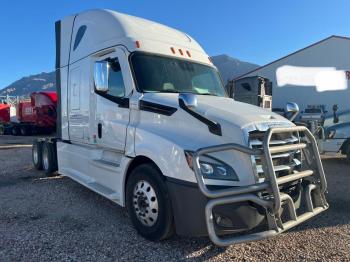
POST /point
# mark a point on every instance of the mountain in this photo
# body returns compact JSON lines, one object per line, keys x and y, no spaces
{"x":229,"y":68}
{"x":26,"y":85}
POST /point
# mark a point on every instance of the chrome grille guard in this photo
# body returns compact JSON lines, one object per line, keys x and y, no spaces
{"x":314,"y":193}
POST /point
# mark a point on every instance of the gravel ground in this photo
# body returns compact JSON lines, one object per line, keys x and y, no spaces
{"x":57,"y":219}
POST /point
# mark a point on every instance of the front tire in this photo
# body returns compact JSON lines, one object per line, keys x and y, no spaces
{"x":148,"y":203}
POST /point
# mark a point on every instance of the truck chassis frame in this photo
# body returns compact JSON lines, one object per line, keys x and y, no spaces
{"x":313,"y":193}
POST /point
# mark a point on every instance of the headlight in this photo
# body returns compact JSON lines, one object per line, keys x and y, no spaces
{"x":212,"y":168}
{"x":331,"y":133}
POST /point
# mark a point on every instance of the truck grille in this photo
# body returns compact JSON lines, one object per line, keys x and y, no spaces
{"x":285,"y":163}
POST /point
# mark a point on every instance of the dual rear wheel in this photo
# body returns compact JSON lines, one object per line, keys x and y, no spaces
{"x":44,"y":156}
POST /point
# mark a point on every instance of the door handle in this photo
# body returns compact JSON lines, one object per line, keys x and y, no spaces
{"x":99,"y":130}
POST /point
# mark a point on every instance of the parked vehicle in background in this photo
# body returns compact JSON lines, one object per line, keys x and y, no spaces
{"x":335,"y":134}
{"x":254,"y":90}
{"x":314,"y":113}
{"x":4,"y":116}
{"x":144,"y":120}
{"x":331,"y":130}
{"x":34,"y":116}
{"x":4,"y":113}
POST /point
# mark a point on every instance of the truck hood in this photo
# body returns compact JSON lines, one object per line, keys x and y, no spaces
{"x":182,"y":131}
{"x":223,"y":109}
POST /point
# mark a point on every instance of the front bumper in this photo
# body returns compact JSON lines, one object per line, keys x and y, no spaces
{"x":279,"y":208}
{"x":188,"y":204}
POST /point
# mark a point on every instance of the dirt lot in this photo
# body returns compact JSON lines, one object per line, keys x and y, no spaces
{"x":55,"y":218}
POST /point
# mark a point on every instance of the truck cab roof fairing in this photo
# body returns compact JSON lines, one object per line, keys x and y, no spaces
{"x":106,"y":28}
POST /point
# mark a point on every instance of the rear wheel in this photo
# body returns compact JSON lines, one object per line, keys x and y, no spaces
{"x":23,"y":130}
{"x":2,"y":130}
{"x":37,"y":155}
{"x":148,"y":203}
{"x":49,"y":161}
{"x":14,"y":131}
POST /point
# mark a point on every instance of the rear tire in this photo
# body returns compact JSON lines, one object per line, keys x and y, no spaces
{"x":148,"y":203}
{"x":2,"y":130}
{"x":37,"y":155}
{"x":14,"y":131}
{"x":49,"y":161}
{"x":23,"y":130}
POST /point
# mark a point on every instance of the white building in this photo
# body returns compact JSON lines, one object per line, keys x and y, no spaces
{"x":315,"y":75}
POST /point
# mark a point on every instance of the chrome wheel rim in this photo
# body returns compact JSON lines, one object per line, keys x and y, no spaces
{"x":45,"y":158}
{"x":35,"y":154}
{"x":145,"y":203}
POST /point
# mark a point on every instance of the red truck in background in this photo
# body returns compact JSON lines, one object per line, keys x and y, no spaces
{"x":4,"y":113}
{"x":34,"y":116}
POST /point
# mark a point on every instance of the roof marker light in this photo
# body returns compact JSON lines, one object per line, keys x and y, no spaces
{"x":181,"y":53}
{"x":138,"y":45}
{"x":172,"y":50}
{"x":188,"y":53}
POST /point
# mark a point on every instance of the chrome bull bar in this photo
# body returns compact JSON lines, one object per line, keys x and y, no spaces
{"x":314,"y":193}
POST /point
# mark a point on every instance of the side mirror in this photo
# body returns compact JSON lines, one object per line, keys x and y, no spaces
{"x":293,"y":108}
{"x":189,"y":100}
{"x":101,"y":73}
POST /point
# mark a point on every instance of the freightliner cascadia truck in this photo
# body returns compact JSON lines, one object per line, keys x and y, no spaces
{"x":144,"y":120}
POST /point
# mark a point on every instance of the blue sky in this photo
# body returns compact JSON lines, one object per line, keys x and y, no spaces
{"x":253,"y":31}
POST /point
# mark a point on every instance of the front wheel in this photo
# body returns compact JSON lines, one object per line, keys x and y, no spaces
{"x":148,"y":203}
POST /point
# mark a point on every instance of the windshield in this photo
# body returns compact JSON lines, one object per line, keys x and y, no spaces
{"x":170,"y":75}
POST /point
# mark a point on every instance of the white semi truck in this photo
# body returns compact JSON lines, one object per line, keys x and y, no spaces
{"x":143,"y":119}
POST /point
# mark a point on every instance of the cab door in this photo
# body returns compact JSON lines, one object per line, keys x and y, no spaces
{"x":112,"y":105}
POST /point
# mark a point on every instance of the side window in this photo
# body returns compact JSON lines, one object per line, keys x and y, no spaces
{"x":116,"y":86}
{"x":79,"y":36}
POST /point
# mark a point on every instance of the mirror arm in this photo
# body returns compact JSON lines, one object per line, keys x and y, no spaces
{"x":294,"y":115}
